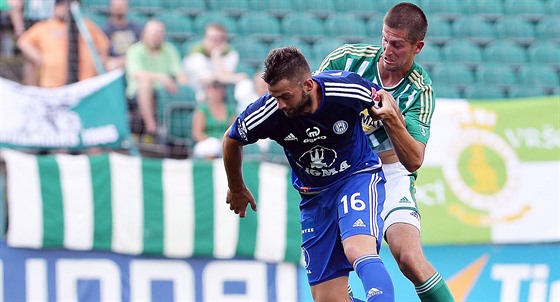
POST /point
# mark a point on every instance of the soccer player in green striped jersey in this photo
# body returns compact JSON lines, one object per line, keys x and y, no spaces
{"x":400,"y":143}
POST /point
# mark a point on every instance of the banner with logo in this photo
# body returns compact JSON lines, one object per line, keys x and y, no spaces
{"x":492,"y":172}
{"x":90,"y":113}
{"x":62,"y":275}
{"x":134,"y":205}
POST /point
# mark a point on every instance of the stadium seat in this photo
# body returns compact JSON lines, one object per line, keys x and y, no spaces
{"x":205,"y":18}
{"x":99,"y":18}
{"x":138,"y":17}
{"x":530,"y":10}
{"x":149,"y":7}
{"x":439,"y":31}
{"x":275,"y":8}
{"x":548,"y":28}
{"x":545,"y":52}
{"x":324,"y":46}
{"x":178,"y":26}
{"x":429,"y":56}
{"x":361,"y":8}
{"x":448,"y":9}
{"x":322,"y":9}
{"x":233,"y":8}
{"x":462,"y":51}
{"x":539,"y":75}
{"x":185,"y":94}
{"x":101,"y":6}
{"x":452,"y":73}
{"x":187,"y":45}
{"x":507,"y":52}
{"x":446,"y":91}
{"x":496,"y":74}
{"x":516,"y":29}
{"x":304,"y":26}
{"x":259,"y":25}
{"x":175,"y":112}
{"x":347,"y":27}
{"x":552,"y":7}
{"x":525,"y":92}
{"x":474,"y":28}
{"x":374,"y":28}
{"x":190,"y":8}
{"x":303,"y":46}
{"x":486,"y":92}
{"x":251,"y":50}
{"x":489,"y":10}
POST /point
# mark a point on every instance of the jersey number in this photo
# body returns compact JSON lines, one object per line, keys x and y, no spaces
{"x":355,"y":202}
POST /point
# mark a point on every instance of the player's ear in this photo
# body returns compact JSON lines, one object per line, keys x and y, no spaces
{"x":419,"y":46}
{"x":308,"y":85}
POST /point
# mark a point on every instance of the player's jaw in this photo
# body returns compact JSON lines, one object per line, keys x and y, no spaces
{"x":302,"y":107}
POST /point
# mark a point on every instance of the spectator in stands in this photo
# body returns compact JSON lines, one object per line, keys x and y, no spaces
{"x":45,"y":45}
{"x":121,"y":32}
{"x":151,"y":64}
{"x":15,"y":10}
{"x":213,"y":59}
{"x":211,"y":118}
{"x":249,"y":90}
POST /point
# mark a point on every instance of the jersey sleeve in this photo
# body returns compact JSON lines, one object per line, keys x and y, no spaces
{"x":418,"y":118}
{"x":257,"y":121}
{"x":333,"y":61}
{"x":349,"y":85}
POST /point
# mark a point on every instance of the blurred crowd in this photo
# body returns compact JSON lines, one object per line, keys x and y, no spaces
{"x":46,"y":35}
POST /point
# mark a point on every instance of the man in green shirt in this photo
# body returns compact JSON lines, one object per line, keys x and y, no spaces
{"x":399,"y":132}
{"x":152,"y":64}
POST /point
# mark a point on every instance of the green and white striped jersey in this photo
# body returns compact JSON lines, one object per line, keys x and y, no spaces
{"x":414,"y":94}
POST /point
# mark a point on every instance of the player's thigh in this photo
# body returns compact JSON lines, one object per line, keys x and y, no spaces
{"x":400,"y":203}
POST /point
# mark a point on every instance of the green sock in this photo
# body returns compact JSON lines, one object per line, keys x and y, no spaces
{"x":434,"y":290}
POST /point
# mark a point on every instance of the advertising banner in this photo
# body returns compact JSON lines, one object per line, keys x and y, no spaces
{"x":134,"y":205}
{"x":481,"y":273}
{"x":491,"y":172}
{"x":90,"y":113}
{"x":62,"y":275}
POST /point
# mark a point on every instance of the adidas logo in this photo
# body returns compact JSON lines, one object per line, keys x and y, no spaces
{"x":404,"y":200}
{"x":373,"y":292}
{"x":359,"y":223}
{"x":290,"y":137}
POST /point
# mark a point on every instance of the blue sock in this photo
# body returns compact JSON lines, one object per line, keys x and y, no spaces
{"x":375,"y":278}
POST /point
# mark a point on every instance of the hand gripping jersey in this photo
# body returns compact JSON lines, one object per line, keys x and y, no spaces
{"x":414,"y":93}
{"x":322,"y":148}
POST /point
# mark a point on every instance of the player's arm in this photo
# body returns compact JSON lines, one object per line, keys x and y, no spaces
{"x":238,"y":196}
{"x":409,"y":151}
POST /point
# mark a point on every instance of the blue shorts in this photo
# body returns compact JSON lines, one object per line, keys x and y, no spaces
{"x":352,"y":207}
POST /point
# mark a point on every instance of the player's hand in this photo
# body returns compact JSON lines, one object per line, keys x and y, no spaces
{"x":238,"y":201}
{"x":387,"y":108}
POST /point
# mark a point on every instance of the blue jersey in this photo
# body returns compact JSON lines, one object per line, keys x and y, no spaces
{"x":325,"y":147}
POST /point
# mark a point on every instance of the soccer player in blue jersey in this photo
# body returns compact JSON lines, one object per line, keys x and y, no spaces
{"x":316,"y":118}
{"x":400,"y":146}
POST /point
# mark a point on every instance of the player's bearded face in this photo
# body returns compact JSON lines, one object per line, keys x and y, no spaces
{"x":300,"y":107}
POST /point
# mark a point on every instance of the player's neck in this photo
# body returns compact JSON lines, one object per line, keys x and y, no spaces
{"x":391,"y":78}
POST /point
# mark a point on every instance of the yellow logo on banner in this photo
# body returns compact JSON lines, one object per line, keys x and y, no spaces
{"x":483,"y":171}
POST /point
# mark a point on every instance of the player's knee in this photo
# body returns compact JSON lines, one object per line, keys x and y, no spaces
{"x":409,"y":260}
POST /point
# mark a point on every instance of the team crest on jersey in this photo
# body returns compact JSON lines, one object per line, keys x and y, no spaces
{"x":340,"y":127}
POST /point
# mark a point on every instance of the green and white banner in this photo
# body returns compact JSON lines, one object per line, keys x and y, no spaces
{"x":492,"y":172}
{"x":89,"y":113}
{"x":134,"y":205}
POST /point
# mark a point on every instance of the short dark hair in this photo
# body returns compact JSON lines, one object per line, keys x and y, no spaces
{"x":285,"y":63}
{"x":410,"y":17}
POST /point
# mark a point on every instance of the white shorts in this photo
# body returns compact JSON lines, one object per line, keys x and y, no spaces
{"x":400,"y":202}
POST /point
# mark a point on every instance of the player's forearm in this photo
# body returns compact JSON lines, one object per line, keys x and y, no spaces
{"x":409,"y":151}
{"x":233,"y":157}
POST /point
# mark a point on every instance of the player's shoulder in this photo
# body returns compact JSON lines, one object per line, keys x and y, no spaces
{"x":419,"y":76}
{"x":336,"y":76}
{"x":358,"y":50}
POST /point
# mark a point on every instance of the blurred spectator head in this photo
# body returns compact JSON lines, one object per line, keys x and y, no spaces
{"x":261,"y":88}
{"x":216,"y":91}
{"x":153,"y":35}
{"x":118,"y":10}
{"x":61,"y":8}
{"x":215,"y":38}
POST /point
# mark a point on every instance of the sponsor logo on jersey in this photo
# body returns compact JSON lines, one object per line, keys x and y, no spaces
{"x":290,"y":137}
{"x":368,"y":124}
{"x":308,"y":230}
{"x":242,"y":129}
{"x":340,"y":127}
{"x":313,"y":134}
{"x":404,"y":200}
